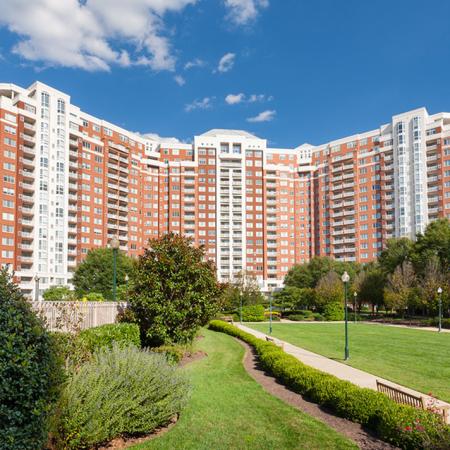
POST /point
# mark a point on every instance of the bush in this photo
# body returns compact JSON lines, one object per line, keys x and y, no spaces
{"x":77,"y":349}
{"x":30,"y":372}
{"x":253,"y":313}
{"x":333,"y":311}
{"x":174,"y":291}
{"x":300,"y":317}
{"x":173,"y":353}
{"x":403,"y":426}
{"x":120,"y":392}
{"x":318,"y":317}
{"x":276,"y":315}
{"x":94,"y":297}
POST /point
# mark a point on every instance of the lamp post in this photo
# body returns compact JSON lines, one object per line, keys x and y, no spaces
{"x":114,"y":244}
{"x":345,"y":280}
{"x":355,"y":296}
{"x":270,"y":313}
{"x":36,"y":288}
{"x":439,"y":291}
{"x":240,"y":308}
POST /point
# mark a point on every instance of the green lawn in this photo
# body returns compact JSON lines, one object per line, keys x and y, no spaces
{"x":417,"y":359}
{"x":229,"y":410}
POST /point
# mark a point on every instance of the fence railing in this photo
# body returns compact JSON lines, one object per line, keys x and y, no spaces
{"x":69,"y":316}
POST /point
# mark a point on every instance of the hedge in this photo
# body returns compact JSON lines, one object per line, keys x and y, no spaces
{"x":403,"y":426}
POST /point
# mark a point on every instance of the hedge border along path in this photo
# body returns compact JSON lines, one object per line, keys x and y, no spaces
{"x":400,"y":425}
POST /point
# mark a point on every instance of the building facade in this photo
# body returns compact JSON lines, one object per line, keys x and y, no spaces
{"x":70,"y":182}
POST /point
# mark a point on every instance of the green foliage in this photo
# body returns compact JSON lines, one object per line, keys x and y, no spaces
{"x":30,"y":372}
{"x":396,"y":252}
{"x":95,"y":273}
{"x":58,"y":294}
{"x":94,"y":297}
{"x":244,"y":289}
{"x":334,"y":311}
{"x":104,"y":336}
{"x":173,"y":353}
{"x":308,"y":275}
{"x":391,"y":421}
{"x":293,"y":297}
{"x":253,"y":313}
{"x":369,"y":285}
{"x":174,"y":291}
{"x":121,"y":391}
{"x":76,"y":349}
{"x":329,"y":289}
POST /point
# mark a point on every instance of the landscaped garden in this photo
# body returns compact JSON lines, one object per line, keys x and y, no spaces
{"x":414,"y":358}
{"x":229,"y":410}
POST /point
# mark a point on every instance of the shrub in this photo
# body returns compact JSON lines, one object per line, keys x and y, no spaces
{"x":30,"y":372}
{"x":276,"y":315}
{"x":318,"y":317}
{"x":300,"y":317}
{"x":173,"y":353}
{"x":403,"y":426}
{"x":120,"y":391}
{"x":76,"y":349}
{"x":253,"y":313}
{"x":174,"y":291}
{"x":333,"y":311}
{"x":94,"y":297}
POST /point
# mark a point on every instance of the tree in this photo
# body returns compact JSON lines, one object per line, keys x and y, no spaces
{"x":174,"y":291}
{"x":291,"y":297}
{"x":308,"y":274}
{"x":244,"y":288}
{"x":399,"y":291}
{"x":369,"y":285}
{"x":396,"y":252}
{"x":434,"y":242}
{"x":433,"y":279}
{"x":329,"y":289}
{"x":95,"y":273}
{"x":30,"y":372}
{"x":58,"y":294}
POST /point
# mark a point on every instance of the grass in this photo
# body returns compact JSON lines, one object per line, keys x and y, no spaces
{"x":417,"y":359}
{"x":229,"y":410}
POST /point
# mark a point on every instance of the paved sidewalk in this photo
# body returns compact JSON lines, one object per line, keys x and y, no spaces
{"x":339,"y":370}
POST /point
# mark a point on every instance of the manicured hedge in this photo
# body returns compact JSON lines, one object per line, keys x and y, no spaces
{"x":403,"y":426}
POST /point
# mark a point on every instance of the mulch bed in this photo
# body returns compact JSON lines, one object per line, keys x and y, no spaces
{"x":364,"y":438}
{"x":191,"y":357}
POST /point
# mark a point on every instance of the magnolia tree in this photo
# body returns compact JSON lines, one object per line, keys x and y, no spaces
{"x":173,"y":292}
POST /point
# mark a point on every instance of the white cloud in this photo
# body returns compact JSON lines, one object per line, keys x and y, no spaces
{"x":241,"y":12}
{"x":265,"y":116}
{"x":93,"y":34}
{"x":197,"y":62}
{"x":158,"y":138}
{"x":204,"y":103}
{"x":179,"y":80}
{"x":226,"y":63}
{"x":234,"y":99}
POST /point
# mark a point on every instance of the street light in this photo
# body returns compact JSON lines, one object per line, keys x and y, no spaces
{"x":439,"y":291}
{"x":240,"y":309}
{"x":114,"y":244}
{"x":345,"y":280}
{"x":355,"y":295}
{"x":36,"y":288}
{"x":270,"y":313}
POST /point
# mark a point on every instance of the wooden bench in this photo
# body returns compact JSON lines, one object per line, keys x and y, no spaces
{"x":406,"y":398}
{"x":274,"y":341}
{"x":228,"y":319}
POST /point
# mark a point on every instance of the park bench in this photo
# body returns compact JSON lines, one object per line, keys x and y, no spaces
{"x":228,"y":319}
{"x":415,"y":401}
{"x":274,"y":341}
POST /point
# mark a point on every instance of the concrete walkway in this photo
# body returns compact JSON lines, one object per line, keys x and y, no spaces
{"x":339,"y":370}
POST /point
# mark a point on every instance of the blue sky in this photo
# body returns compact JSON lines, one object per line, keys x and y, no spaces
{"x":309,"y":71}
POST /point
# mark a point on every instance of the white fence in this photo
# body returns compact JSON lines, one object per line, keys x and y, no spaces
{"x":69,"y":316}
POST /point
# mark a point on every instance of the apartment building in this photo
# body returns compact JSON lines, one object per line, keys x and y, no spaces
{"x":70,"y":182}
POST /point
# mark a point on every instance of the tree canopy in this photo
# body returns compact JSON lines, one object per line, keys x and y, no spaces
{"x":95,"y":273}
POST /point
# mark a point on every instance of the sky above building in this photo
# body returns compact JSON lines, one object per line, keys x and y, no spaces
{"x":291,"y":71}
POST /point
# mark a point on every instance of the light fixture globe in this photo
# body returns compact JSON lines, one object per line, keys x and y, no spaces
{"x":345,"y":277}
{"x":114,"y":243}
{"x":439,"y":291}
